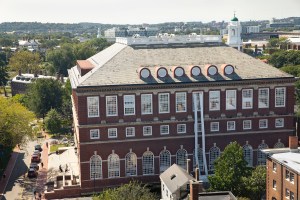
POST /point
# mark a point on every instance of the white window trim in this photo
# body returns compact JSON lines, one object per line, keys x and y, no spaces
{"x":268,"y":97}
{"x":162,"y":112}
{"x":110,"y":115}
{"x":244,"y":125}
{"x":229,"y":129}
{"x":133,"y":106}
{"x":98,"y":137}
{"x":161,"y":127}
{"x":266,"y":123}
{"x":281,"y":126}
{"x":147,"y":113}
{"x":133,"y":128}
{"x":181,"y":131}
{"x":284,"y":98}
{"x":219,"y":100}
{"x":185,"y":109}
{"x":244,"y":107}
{"x":227,"y":107}
{"x":211,"y":125}
{"x":144,"y":127}
{"x":112,"y":129}
{"x":91,"y":116}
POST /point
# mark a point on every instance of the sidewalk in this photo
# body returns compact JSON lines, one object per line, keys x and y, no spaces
{"x":8,"y":171}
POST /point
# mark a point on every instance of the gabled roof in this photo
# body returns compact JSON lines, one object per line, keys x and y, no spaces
{"x":175,"y":177}
{"x":119,"y":65}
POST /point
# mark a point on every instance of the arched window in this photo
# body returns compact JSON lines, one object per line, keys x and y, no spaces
{"x":279,"y":145}
{"x":130,"y":164}
{"x":233,"y":32}
{"x":248,"y":154}
{"x":181,"y":156}
{"x":113,"y":164}
{"x":148,"y":163}
{"x":164,"y":160}
{"x":95,"y":167}
{"x":214,"y":153}
{"x":200,"y":158}
{"x":261,"y":157}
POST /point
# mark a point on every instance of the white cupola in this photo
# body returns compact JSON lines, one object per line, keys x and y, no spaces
{"x":234,"y":33}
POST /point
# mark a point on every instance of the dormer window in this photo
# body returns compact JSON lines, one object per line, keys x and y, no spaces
{"x":196,"y":71}
{"x":212,"y":70}
{"x":228,"y":69}
{"x":145,"y":73}
{"x":162,"y":72}
{"x":179,"y":71}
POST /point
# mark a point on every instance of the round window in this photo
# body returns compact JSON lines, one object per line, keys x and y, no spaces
{"x":196,"y":71}
{"x":179,"y":71}
{"x":229,"y":69}
{"x":212,"y":70}
{"x":162,"y":72}
{"x":145,"y":73}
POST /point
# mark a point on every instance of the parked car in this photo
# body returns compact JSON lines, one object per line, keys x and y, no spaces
{"x":35,"y":158}
{"x":38,"y":147}
{"x":32,"y":173}
{"x":34,"y":166}
{"x":37,"y":152}
{"x":64,"y":141}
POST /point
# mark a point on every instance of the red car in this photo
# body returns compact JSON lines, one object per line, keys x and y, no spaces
{"x":35,"y":158}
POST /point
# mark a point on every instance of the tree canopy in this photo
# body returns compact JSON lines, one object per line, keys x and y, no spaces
{"x":24,"y":61}
{"x":53,"y":121}
{"x":285,"y":58}
{"x":14,"y":122}
{"x":256,"y":183}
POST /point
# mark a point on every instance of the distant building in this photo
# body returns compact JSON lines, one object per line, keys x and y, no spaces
{"x":31,"y":45}
{"x":274,"y":24}
{"x":115,"y":32}
{"x":283,"y":171}
{"x":294,"y":43}
{"x":130,"y":31}
{"x":251,"y":29}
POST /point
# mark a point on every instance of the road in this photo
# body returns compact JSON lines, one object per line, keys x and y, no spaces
{"x":19,"y":187}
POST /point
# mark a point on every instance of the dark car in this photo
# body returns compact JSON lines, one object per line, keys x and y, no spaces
{"x":38,"y":147}
{"x":34,"y":166}
{"x":37,"y":152}
{"x":32,"y":173}
{"x":35,"y":158}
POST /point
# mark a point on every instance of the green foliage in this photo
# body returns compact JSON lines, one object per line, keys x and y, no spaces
{"x":130,"y":191}
{"x":4,"y":77}
{"x":293,"y":70}
{"x":25,"y":60}
{"x":281,"y":43}
{"x":43,"y":95}
{"x":230,"y":168}
{"x":285,"y":58}
{"x":256,"y":183}
{"x":53,"y":121}
{"x":14,"y":122}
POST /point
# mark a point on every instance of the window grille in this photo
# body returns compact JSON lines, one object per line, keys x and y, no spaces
{"x":181,"y":102}
{"x":261,"y":157}
{"x":112,"y":133}
{"x":93,"y":106}
{"x":164,"y":103}
{"x":129,"y":105}
{"x":248,"y":154}
{"x":247,"y":98}
{"x":164,"y":129}
{"x":263,"y":98}
{"x":130,"y":131}
{"x":181,"y":128}
{"x":94,"y":134}
{"x":147,"y":130}
{"x":164,"y":160}
{"x":214,"y":153}
{"x":214,"y":100}
{"x":111,"y":106}
{"x":280,"y":97}
{"x":230,"y":99}
{"x":95,"y":167}
{"x":148,"y":163}
{"x":247,"y":124}
{"x":200,"y":158}
{"x":181,"y":156}
{"x":131,"y":164}
{"x":146,"y":104}
{"x":113,"y":162}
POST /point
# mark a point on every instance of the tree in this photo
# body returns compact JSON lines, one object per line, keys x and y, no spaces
{"x":53,"y":121}
{"x":256,"y":183}
{"x":14,"y":122}
{"x":3,"y":77}
{"x":132,"y":191}
{"x":230,"y":168}
{"x":25,"y":60}
{"x":43,"y":95}
{"x":284,"y":58}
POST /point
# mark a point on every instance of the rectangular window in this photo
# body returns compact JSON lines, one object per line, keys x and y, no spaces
{"x":247,"y":98}
{"x":287,"y":193}
{"x":263,"y":98}
{"x":247,"y":124}
{"x":164,"y":129}
{"x":279,"y":122}
{"x":130,"y":131}
{"x":230,"y":125}
{"x":94,"y":134}
{"x":146,"y":104}
{"x":112,"y":133}
{"x":280,"y":97}
{"x":111,"y":106}
{"x":263,"y":123}
{"x":164,"y":103}
{"x":274,"y":185}
{"x":93,"y":106}
{"x":129,"y":105}
{"x":292,"y":196}
{"x":181,"y":102}
{"x":292,"y":177}
{"x":274,"y":167}
{"x":214,"y":126}
{"x":181,"y":128}
{"x":230,"y":99}
{"x":214,"y":100}
{"x":147,"y":130}
{"x":287,"y":174}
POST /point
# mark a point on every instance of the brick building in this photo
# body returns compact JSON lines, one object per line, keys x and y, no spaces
{"x":133,"y":111}
{"x":283,"y":172}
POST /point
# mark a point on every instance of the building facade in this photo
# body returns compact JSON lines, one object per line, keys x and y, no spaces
{"x":134,"y":115}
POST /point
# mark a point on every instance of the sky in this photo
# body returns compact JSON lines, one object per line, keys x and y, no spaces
{"x":144,"y":11}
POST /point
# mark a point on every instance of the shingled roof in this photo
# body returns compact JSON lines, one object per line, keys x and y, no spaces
{"x":119,"y":64}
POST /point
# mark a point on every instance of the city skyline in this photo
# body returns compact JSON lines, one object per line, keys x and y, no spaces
{"x":134,"y":12}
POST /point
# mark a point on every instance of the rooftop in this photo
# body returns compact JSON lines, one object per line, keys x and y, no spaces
{"x":289,"y":159}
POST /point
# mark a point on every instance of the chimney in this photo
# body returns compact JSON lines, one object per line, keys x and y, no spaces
{"x":187,"y":165}
{"x":197,"y":174}
{"x":195,"y":188}
{"x":293,"y":143}
{"x":20,"y":73}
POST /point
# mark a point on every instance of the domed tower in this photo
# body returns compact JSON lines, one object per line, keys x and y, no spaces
{"x":234,"y":33}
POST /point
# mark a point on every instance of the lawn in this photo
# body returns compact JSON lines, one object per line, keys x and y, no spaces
{"x":54,"y":147}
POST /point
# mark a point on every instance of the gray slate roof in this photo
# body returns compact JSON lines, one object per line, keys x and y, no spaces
{"x":175,"y":177}
{"x":119,"y":65}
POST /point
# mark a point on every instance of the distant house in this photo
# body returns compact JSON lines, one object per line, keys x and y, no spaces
{"x":31,"y":45}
